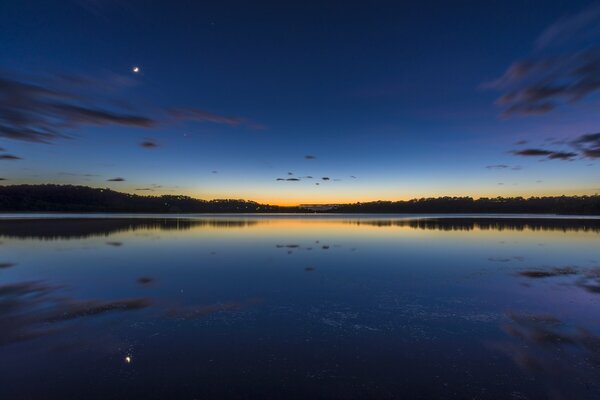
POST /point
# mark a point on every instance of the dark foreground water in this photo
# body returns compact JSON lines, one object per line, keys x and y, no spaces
{"x":299,"y":307}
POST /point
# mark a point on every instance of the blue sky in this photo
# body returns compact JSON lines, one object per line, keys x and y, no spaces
{"x":393,"y":101}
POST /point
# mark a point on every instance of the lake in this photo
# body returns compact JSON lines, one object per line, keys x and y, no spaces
{"x":288,"y":306}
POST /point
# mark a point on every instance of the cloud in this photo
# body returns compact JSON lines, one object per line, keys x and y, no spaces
{"x":42,"y":113}
{"x":145,"y":189}
{"x":149,"y":144}
{"x":309,"y":157}
{"x":541,"y":82}
{"x":562,"y":155}
{"x":9,"y":157}
{"x":325,"y":178}
{"x":498,"y":166}
{"x":3,"y":179}
{"x":580,"y":25}
{"x":118,"y":179}
{"x":552,"y":155}
{"x":293,"y":179}
{"x":538,"y":86}
{"x":588,"y":144}
{"x":195,"y":114}
{"x":520,"y":142}
{"x":145,"y":280}
{"x":532,"y":152}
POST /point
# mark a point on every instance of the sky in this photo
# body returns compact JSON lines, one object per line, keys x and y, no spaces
{"x":302,"y":102}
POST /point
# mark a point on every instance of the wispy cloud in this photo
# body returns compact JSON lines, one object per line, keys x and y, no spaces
{"x":199,"y":115}
{"x":589,"y":144}
{"x":581,"y":25}
{"x":584,"y":146}
{"x":118,"y":179}
{"x":44,"y":110}
{"x":41,"y":112}
{"x":540,"y":83}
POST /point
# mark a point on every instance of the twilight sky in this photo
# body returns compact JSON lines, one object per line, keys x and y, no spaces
{"x":264,"y":100}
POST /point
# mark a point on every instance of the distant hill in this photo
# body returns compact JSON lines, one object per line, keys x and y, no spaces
{"x":67,"y":198}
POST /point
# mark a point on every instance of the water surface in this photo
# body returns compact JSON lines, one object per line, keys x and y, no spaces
{"x":336,"y":307}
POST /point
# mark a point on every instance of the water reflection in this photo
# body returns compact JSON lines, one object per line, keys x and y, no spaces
{"x":496,"y":224}
{"x":32,"y":309}
{"x":276,"y":307}
{"x":546,"y":348}
{"x":78,"y":228}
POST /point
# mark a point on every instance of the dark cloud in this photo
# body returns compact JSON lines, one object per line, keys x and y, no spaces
{"x":588,"y":144}
{"x":592,"y":153}
{"x":542,"y":82}
{"x":4,"y":265}
{"x":9,"y":157}
{"x":532,"y":152}
{"x":309,"y":157}
{"x":118,"y":179}
{"x":42,"y":113}
{"x":280,"y":179}
{"x":145,"y":189}
{"x":552,"y":155}
{"x":3,"y":179}
{"x":145,"y":280}
{"x":115,"y":244}
{"x":325,"y":178}
{"x":352,"y":176}
{"x":562,"y":155}
{"x":149,"y":144}
{"x":497,"y":166}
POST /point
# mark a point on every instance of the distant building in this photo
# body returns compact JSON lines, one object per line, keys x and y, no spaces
{"x":318,"y":207}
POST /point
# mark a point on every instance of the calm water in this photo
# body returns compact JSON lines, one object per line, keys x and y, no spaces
{"x":344,"y":307}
